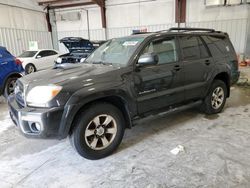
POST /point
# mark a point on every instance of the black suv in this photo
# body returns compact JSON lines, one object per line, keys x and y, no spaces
{"x":125,"y":79}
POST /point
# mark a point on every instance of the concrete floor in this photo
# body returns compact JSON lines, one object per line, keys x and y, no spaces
{"x":216,"y":153}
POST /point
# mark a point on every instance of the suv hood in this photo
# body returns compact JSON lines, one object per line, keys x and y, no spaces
{"x":77,"y":43}
{"x":70,"y":74}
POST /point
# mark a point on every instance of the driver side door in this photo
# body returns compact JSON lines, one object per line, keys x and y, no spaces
{"x":161,"y":85}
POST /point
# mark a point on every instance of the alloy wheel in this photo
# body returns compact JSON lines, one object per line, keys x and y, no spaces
{"x":217,"y":97}
{"x":100,"y":132}
{"x":11,"y":86}
{"x":31,"y":69}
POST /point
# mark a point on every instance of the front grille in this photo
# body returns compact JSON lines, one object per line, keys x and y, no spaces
{"x":19,"y":93}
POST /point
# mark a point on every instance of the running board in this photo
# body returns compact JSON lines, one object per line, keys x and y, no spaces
{"x":181,"y":108}
{"x":170,"y":110}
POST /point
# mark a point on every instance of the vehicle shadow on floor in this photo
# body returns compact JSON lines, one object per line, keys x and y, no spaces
{"x":153,"y":125}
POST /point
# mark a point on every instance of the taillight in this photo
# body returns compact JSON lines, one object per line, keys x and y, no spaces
{"x":18,"y":61}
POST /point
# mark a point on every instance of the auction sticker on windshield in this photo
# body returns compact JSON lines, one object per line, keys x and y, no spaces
{"x":130,"y":43}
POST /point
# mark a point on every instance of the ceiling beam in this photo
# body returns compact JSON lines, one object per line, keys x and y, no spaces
{"x":70,"y":5}
{"x":55,"y":4}
{"x":50,"y":2}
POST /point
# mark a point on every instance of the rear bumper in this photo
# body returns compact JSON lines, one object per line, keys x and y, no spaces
{"x":235,"y":77}
{"x":28,"y":119}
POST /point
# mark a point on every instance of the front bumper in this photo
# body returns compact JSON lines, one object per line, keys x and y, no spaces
{"x":28,"y":119}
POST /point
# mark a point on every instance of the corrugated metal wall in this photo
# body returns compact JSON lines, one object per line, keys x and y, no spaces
{"x":17,"y":40}
{"x":236,"y":28}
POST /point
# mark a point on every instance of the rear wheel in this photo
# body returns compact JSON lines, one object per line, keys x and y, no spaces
{"x":9,"y":86}
{"x":216,"y":98}
{"x":30,"y":68}
{"x":98,"y":131}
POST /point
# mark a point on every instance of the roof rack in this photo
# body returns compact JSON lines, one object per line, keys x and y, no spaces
{"x":184,"y":29}
{"x":138,"y":33}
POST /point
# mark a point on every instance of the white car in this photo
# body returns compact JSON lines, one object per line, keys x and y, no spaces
{"x":35,"y":60}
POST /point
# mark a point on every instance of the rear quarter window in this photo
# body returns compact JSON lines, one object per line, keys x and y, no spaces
{"x":218,"y":46}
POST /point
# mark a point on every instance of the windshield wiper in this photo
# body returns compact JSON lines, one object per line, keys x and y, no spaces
{"x":102,"y":62}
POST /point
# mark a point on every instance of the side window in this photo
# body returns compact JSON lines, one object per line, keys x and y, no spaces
{"x":43,"y":53}
{"x":216,"y":45}
{"x":51,"y":52}
{"x":203,"y":49}
{"x":190,"y":47}
{"x":164,"y":48}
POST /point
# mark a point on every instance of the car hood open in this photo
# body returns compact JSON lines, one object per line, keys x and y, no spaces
{"x":77,"y":43}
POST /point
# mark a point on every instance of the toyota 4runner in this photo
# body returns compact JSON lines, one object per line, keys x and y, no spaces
{"x":125,"y":79}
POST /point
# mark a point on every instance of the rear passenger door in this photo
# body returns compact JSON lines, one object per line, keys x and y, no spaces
{"x":161,"y":85}
{"x":43,"y":59}
{"x":6,"y":62}
{"x":6,"y":65}
{"x":197,"y":65}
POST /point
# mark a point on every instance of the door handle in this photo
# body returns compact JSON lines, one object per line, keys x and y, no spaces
{"x":177,"y":67}
{"x":207,"y":62}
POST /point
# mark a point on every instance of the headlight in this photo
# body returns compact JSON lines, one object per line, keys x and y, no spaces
{"x":82,"y":60}
{"x":59,"y":60}
{"x":39,"y":96}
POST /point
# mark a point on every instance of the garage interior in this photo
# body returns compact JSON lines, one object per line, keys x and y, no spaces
{"x":184,"y":149}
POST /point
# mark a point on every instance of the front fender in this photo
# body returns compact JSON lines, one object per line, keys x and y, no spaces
{"x":85,"y":96}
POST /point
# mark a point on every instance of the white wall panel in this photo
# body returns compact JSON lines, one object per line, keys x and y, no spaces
{"x":125,"y":15}
{"x":17,"y":40}
{"x":236,"y":28}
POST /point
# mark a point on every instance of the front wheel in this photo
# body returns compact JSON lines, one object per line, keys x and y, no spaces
{"x":216,"y":98}
{"x":98,"y":131}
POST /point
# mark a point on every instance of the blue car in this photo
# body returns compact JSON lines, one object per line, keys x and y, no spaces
{"x":10,"y":70}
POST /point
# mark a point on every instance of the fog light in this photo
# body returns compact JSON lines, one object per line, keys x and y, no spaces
{"x":35,"y":127}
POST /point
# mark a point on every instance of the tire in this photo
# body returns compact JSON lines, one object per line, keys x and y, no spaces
{"x":30,"y":68}
{"x":216,"y":98}
{"x":91,"y":138}
{"x":9,"y":86}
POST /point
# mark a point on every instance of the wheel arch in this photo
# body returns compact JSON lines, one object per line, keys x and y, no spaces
{"x":224,"y":76}
{"x":11,"y":75}
{"x":30,"y":64}
{"x":116,"y":100}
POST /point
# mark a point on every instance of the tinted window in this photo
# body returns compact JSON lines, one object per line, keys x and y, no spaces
{"x":217,"y":45}
{"x":46,"y":53}
{"x":5,"y":54}
{"x":52,"y":52}
{"x":28,"y":54}
{"x":165,"y":49}
{"x":203,"y":49}
{"x":190,"y":47}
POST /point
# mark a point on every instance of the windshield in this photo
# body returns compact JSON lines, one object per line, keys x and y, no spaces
{"x":28,"y":54}
{"x":116,"y":51}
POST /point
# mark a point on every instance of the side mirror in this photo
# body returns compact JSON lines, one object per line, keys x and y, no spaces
{"x":148,"y":59}
{"x":38,"y":56}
